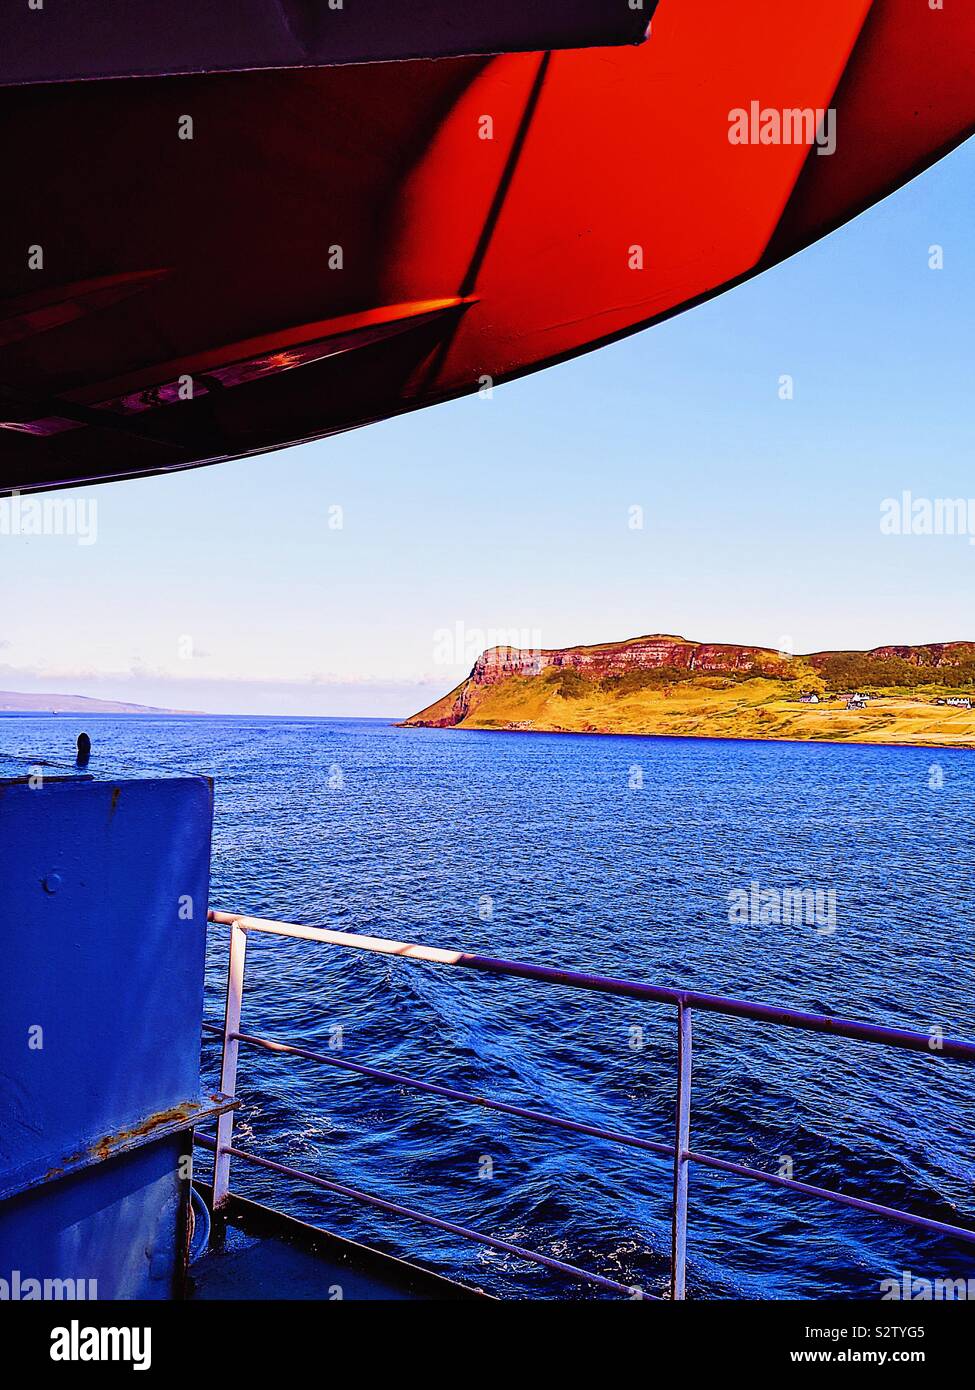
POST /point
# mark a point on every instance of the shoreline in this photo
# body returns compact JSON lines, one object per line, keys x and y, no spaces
{"x":967,"y":744}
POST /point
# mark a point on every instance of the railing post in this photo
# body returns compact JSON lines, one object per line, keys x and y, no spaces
{"x":678,"y":1249}
{"x":228,"y":1066}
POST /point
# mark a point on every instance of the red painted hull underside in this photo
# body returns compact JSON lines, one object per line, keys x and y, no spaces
{"x":191,"y":308}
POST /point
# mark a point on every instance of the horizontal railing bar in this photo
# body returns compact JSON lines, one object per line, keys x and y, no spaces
{"x":907,"y":1218}
{"x":706,"y":1160}
{"x":450,"y":1093}
{"x":628,"y":989}
{"x":519,"y":1251}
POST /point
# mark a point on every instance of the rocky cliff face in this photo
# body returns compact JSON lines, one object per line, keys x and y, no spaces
{"x":616,"y":658}
{"x":499,"y":664}
{"x":931,"y":654}
{"x":656,"y":651}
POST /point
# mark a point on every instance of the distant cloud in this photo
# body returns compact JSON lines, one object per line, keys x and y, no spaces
{"x":322,"y":694}
{"x":138,"y":671}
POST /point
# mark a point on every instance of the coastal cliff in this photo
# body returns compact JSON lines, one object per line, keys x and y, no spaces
{"x":663,"y":684}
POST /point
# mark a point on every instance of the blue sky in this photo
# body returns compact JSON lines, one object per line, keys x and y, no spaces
{"x":227,"y":589}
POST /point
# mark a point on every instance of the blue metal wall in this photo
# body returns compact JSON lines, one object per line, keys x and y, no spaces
{"x":103,"y":899}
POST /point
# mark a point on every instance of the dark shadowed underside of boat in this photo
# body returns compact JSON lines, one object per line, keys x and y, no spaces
{"x":254,"y":250}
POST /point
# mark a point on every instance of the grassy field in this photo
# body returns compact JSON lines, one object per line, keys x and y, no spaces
{"x":711,"y":707}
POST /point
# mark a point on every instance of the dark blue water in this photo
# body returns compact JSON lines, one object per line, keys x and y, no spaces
{"x":541,"y":848}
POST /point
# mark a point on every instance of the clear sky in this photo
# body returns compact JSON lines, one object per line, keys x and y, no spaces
{"x":227,"y":589}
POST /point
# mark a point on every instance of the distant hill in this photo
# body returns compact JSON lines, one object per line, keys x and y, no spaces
{"x":661,"y":684}
{"x":13,"y":702}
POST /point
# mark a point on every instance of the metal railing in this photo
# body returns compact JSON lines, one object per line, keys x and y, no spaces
{"x":681,"y":1153}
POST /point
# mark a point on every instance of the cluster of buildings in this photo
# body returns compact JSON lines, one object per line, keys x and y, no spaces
{"x":854,"y":699}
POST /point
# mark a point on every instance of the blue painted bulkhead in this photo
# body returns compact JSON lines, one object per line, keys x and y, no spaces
{"x":103,"y":901}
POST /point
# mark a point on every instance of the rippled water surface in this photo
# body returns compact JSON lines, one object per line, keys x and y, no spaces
{"x":615,"y":855}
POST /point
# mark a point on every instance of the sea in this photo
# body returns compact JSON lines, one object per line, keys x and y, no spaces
{"x":829,"y":878}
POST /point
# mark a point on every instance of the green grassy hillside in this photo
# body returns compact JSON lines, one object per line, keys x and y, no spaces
{"x":684,"y":703}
